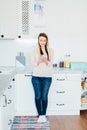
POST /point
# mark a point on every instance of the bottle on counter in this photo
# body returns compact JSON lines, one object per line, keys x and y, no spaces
{"x":61,"y":64}
{"x":67,"y":63}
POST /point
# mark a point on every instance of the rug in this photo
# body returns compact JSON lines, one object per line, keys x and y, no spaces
{"x":28,"y":123}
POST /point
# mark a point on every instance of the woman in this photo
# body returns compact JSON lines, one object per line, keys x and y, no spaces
{"x":42,"y":75}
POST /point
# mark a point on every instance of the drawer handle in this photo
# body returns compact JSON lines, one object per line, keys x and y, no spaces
{"x":10,"y":86}
{"x":60,"y":79}
{"x":60,"y":91}
{"x":10,"y":122}
{"x":60,"y":104}
{"x":27,"y":75}
{"x":13,"y":79}
{"x":5,"y":101}
{"x":9,"y":101}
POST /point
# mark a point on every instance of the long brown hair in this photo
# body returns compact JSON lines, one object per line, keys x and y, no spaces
{"x":46,"y":46}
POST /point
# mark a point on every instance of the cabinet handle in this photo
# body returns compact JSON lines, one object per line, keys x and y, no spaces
{"x":27,"y":75}
{"x":10,"y":86}
{"x":60,"y":79}
{"x":13,"y":79}
{"x":5,"y":101}
{"x":9,"y":101}
{"x":10,"y":122}
{"x":60,"y":91}
{"x":60,"y":104}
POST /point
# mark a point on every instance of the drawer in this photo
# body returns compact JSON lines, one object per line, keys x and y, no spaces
{"x":62,"y":106}
{"x":68,"y":91}
{"x":66,"y":85}
{"x":64,"y":95}
{"x":61,"y":98}
{"x":59,"y":77}
{"x":56,"y":106}
{"x":67,"y":76}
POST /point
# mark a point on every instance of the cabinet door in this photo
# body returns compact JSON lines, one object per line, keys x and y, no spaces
{"x":10,"y":99}
{"x":5,"y":113}
{"x":3,"y":117}
{"x":1,"y":128}
{"x":8,"y":19}
{"x":7,"y":107}
{"x":24,"y":95}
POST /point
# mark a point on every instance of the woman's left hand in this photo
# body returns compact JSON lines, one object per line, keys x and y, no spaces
{"x":44,"y":59}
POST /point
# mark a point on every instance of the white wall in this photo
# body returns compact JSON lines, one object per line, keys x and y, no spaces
{"x":9,"y":50}
{"x":67,"y":27}
{"x":67,"y":30}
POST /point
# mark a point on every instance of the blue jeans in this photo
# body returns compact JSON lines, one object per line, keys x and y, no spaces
{"x":41,"y":87}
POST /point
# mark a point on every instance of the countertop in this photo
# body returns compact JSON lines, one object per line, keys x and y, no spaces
{"x":7,"y":73}
{"x":28,"y":70}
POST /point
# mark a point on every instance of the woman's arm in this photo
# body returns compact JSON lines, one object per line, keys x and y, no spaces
{"x":36,"y":59}
{"x":50,"y":63}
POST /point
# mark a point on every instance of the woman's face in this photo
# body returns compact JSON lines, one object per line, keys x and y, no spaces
{"x":42,"y":41}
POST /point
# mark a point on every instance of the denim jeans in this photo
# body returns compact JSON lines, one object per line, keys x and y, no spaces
{"x":41,"y":87}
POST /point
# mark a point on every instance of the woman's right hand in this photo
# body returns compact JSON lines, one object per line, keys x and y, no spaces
{"x":41,"y":59}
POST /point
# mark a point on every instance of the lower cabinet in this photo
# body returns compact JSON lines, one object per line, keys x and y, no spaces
{"x":63,"y":99}
{"x":7,"y":108}
{"x":24,"y":95}
{"x":64,"y":95}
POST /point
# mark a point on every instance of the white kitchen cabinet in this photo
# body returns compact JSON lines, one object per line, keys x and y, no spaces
{"x":8,"y":19}
{"x":7,"y":107}
{"x":24,"y":95}
{"x":64,"y":94}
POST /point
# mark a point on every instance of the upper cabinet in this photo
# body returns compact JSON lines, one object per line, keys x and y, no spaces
{"x":8,"y":19}
{"x":22,"y":18}
{"x":25,"y":8}
{"x":31,"y":18}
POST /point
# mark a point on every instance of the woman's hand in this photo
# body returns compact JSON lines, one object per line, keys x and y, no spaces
{"x":42,"y":59}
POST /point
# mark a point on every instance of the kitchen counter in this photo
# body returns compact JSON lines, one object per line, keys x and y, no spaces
{"x":8,"y":72}
{"x":28,"y":70}
{"x":6,"y":75}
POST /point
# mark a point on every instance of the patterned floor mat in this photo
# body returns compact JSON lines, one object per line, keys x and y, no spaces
{"x":28,"y":123}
